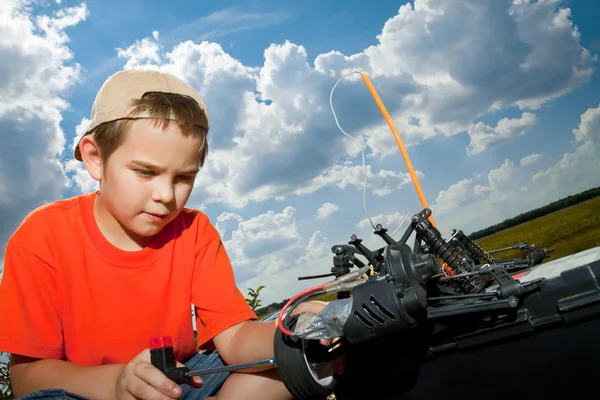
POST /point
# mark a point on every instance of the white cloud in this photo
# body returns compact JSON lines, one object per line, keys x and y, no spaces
{"x":457,"y":195}
{"x":327,"y":209}
{"x":510,"y":190}
{"x":472,"y":56}
{"x":484,"y":136}
{"x":530,"y":159}
{"x":37,"y":70}
{"x":227,"y":21}
{"x":143,"y":53}
{"x":389,"y":221}
{"x":261,"y":235}
{"x":226,"y":222}
{"x":382,"y":183}
{"x":434,"y":63}
{"x":316,"y":248}
{"x":74,"y":169}
{"x":588,"y":130}
{"x":280,"y":270}
{"x":580,"y":169}
{"x":478,"y":202}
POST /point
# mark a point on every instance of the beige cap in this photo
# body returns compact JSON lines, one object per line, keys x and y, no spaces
{"x":113,"y":100}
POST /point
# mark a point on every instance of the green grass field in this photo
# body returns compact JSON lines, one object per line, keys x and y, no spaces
{"x":569,"y":231}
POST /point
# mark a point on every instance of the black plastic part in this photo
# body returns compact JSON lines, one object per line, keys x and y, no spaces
{"x":431,"y":236}
{"x":548,"y":348}
{"x":382,"y":232}
{"x":164,"y":359}
{"x":293,"y":368}
{"x":392,"y":303}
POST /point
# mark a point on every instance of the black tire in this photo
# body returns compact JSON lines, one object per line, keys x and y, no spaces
{"x":293,"y":368}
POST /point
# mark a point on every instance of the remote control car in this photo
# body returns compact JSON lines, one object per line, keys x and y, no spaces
{"x":406,"y":309}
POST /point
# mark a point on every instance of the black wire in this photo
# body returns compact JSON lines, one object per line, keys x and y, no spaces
{"x":300,"y":278}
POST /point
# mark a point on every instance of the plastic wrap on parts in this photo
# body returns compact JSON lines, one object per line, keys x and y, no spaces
{"x":327,"y":324}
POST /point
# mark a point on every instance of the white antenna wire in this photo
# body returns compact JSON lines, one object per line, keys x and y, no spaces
{"x":361,"y":150}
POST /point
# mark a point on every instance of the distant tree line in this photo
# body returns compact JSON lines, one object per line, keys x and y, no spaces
{"x":271,"y":308}
{"x":538,"y":212}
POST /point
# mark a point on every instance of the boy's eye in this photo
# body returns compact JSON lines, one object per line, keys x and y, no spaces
{"x":144,"y":173}
{"x":185,"y":178}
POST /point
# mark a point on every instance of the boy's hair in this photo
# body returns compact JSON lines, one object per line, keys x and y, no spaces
{"x":142,"y":93}
{"x":165,"y":108}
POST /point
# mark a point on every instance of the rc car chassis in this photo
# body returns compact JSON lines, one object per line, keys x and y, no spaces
{"x":406,"y":310}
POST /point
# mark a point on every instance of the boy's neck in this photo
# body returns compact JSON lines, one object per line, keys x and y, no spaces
{"x":118,"y":235}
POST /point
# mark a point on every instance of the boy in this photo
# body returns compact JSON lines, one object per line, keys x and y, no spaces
{"x":89,"y":280}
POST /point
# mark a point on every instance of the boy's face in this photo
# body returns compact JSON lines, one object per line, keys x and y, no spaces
{"x":148,"y":179}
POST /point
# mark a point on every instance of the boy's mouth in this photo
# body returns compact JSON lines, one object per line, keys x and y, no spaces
{"x":155,"y":217}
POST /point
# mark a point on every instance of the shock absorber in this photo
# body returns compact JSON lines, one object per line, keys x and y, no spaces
{"x":480,"y":256}
{"x":448,"y":253}
{"x":433,"y":238}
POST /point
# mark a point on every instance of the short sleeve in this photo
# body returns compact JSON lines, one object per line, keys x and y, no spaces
{"x":28,"y":306}
{"x":218,"y":302}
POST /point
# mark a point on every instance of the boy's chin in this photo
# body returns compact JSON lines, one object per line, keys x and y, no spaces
{"x":144,"y":230}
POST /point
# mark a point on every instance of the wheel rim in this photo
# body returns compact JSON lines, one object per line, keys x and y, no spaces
{"x":322,"y":373}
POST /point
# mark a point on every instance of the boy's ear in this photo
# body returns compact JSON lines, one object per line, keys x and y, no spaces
{"x":90,"y":155}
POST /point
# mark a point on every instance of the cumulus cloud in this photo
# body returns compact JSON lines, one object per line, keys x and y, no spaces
{"x":389,"y":221}
{"x":588,"y":130}
{"x":37,"y":69}
{"x":75,"y":170}
{"x":476,"y":202}
{"x":484,"y":136}
{"x":511,"y":189}
{"x":268,"y":250}
{"x":530,"y":159}
{"x":327,"y":209}
{"x":433,"y":66}
{"x":316,"y":248}
{"x":579,"y":169}
{"x":279,"y":272}
{"x":342,"y":176}
{"x":457,"y":195}
{"x":261,"y":235}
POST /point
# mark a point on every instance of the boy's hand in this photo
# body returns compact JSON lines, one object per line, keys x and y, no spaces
{"x":142,"y":380}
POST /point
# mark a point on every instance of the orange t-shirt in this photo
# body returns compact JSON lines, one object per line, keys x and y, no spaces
{"x":68,"y":293}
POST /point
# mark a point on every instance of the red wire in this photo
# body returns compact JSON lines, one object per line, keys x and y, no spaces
{"x":290,"y":302}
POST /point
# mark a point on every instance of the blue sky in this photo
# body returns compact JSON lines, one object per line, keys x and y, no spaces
{"x":497,"y":101}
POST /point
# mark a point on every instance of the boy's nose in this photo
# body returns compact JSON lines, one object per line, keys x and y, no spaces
{"x":163,"y":192}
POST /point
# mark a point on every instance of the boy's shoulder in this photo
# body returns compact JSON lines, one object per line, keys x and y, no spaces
{"x":52,"y":215}
{"x":196,"y":223}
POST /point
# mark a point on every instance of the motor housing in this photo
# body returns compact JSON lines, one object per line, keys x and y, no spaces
{"x":393,"y":300}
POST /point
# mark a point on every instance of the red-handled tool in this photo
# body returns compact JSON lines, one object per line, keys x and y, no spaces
{"x":163,"y":358}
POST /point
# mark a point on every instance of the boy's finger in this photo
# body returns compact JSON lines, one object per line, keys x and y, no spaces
{"x":196,"y":382}
{"x":339,"y":365}
{"x":155,"y":378}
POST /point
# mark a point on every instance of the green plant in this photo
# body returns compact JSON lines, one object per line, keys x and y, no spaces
{"x":252,"y":299}
{"x":5,"y":390}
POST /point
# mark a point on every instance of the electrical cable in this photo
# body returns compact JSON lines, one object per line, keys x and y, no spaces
{"x":361,"y":150}
{"x":293,"y":303}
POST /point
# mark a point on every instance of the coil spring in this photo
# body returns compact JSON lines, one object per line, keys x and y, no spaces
{"x":447,"y":252}
{"x":433,"y":238}
{"x":480,"y":256}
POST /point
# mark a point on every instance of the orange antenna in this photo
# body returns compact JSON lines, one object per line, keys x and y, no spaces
{"x":392,"y":126}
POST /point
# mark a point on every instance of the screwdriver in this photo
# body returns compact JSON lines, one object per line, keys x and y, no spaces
{"x":163,"y":358}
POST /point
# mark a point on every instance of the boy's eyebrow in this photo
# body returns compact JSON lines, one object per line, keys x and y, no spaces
{"x":148,"y":165}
